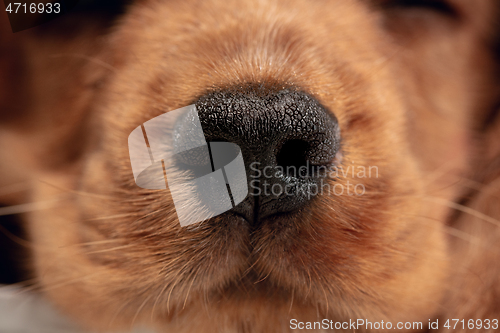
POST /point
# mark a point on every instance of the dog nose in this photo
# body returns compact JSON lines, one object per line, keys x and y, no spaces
{"x":287,"y":139}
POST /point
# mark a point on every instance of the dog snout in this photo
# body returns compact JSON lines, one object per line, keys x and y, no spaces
{"x":287,"y":139}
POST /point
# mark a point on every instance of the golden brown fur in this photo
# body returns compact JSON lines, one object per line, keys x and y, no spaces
{"x":410,"y":88}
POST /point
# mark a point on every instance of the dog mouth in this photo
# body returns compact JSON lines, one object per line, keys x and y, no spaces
{"x":264,"y":250}
{"x":277,"y":144}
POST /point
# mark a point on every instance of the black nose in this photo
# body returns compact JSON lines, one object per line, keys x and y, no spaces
{"x":287,"y":139}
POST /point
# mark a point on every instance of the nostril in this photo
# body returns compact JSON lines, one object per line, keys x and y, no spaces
{"x":292,"y":158}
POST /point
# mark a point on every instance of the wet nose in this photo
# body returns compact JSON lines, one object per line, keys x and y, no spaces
{"x":287,"y":139}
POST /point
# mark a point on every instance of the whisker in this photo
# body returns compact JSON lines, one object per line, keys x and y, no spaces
{"x":23,"y":285}
{"x":28,"y":207}
{"x":117,"y":313}
{"x":137,"y":312}
{"x":85,"y":57}
{"x":160,"y":294}
{"x":178,"y":278}
{"x":191,"y":276}
{"x":16,"y":239}
{"x":105,"y":241}
{"x":464,"y":236}
{"x":466,"y":210}
{"x":291,"y":303}
{"x":448,"y":229}
{"x":262,"y":279}
{"x":323,"y":289}
{"x":109,"y":250}
{"x":309,"y":275}
{"x":39,"y":287}
{"x":82,"y":193}
{"x":14,"y":188}
{"x":109,"y":217}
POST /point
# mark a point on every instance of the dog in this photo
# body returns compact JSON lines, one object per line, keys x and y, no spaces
{"x":399,"y":97}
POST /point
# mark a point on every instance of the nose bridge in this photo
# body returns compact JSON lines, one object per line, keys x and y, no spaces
{"x":283,"y":128}
{"x":246,"y":118}
{"x":261,"y":120}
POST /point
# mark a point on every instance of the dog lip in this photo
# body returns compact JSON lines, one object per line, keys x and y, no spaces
{"x":259,"y":219}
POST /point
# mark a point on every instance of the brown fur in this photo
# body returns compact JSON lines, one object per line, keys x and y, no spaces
{"x":411,"y":89}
